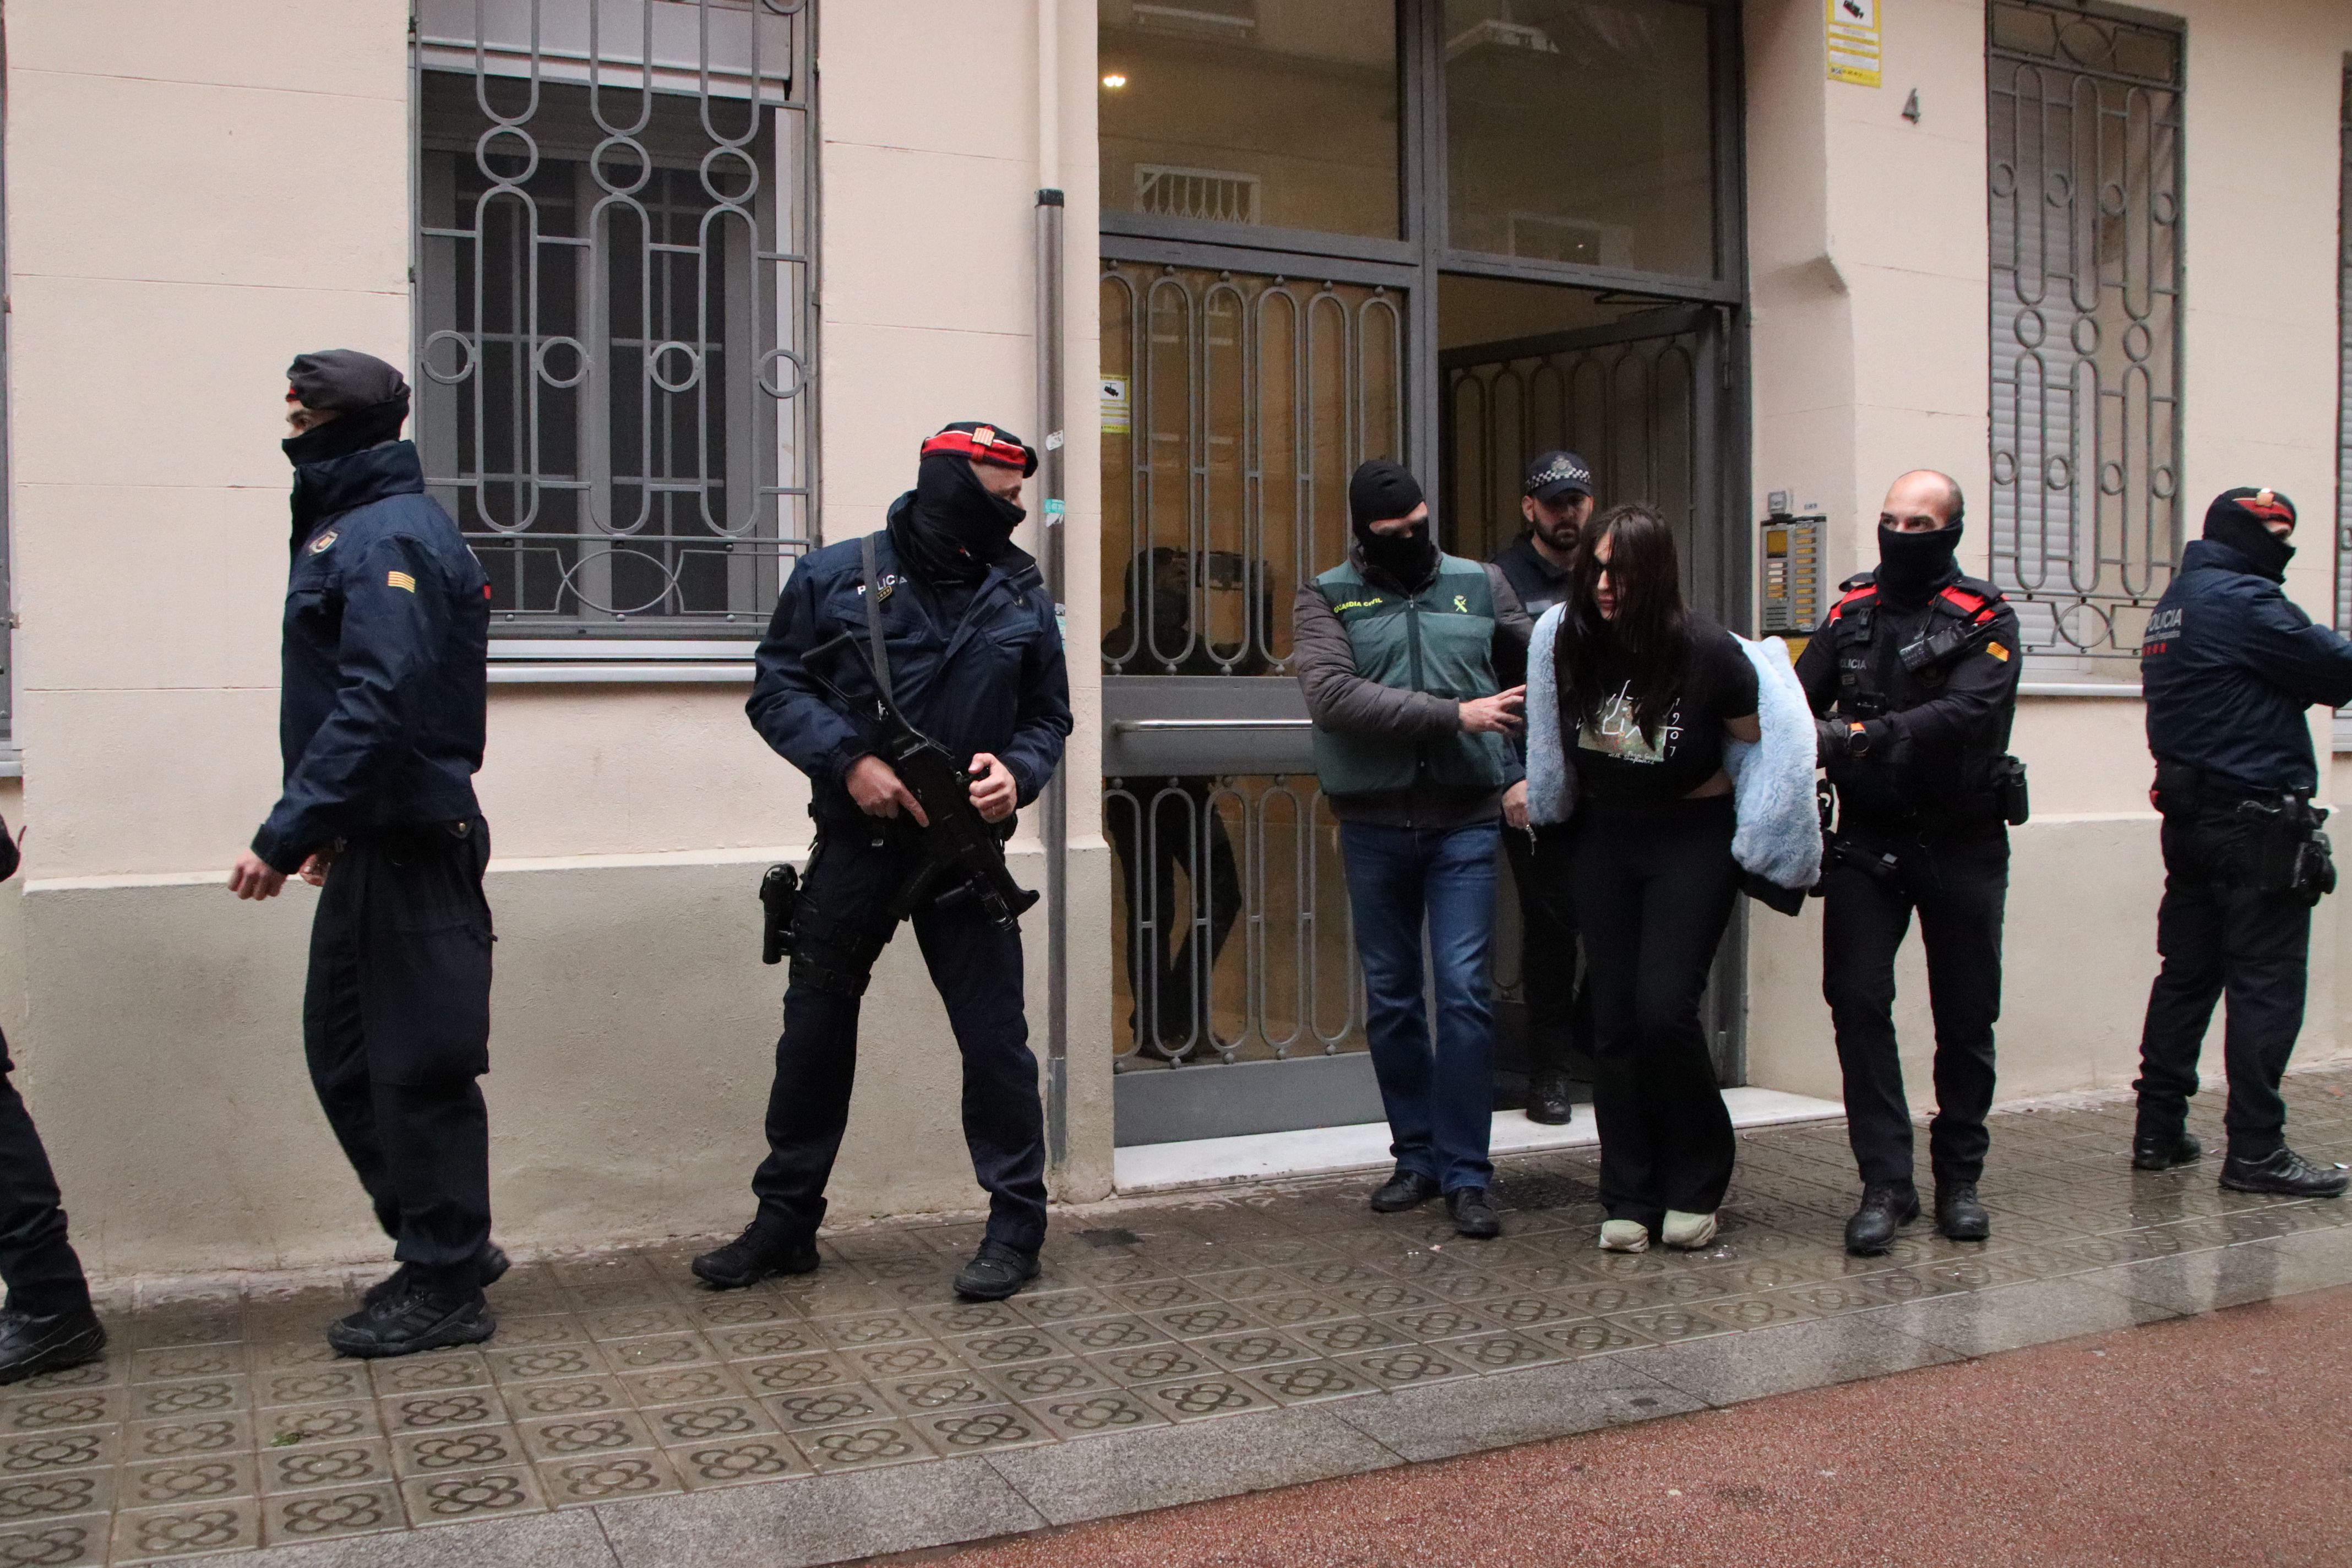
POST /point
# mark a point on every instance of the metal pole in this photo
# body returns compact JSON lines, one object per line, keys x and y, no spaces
{"x":1056,"y":828}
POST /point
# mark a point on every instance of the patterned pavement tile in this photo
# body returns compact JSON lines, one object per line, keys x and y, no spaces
{"x":301,"y":1517}
{"x":441,"y":1499}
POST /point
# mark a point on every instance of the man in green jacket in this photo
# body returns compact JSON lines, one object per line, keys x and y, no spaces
{"x":1403,"y":651}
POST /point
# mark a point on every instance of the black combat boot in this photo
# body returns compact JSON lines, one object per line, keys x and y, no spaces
{"x":1473,"y":1214}
{"x":2285,"y":1173}
{"x":1405,"y":1190}
{"x":422,"y":1317}
{"x":995,"y":1271}
{"x":1547,"y":1101}
{"x":1958,"y":1216}
{"x":2161,"y":1148}
{"x":490,"y":1263}
{"x":1886,"y":1207}
{"x":35,"y":1342}
{"x":759,"y":1253}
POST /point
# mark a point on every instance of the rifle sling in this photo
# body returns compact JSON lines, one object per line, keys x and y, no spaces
{"x":874,"y":617}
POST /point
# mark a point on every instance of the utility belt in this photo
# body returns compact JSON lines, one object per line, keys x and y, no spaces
{"x":1878,"y":853}
{"x":2271,"y":841}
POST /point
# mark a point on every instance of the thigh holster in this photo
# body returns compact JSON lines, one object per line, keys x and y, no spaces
{"x":830,"y":955}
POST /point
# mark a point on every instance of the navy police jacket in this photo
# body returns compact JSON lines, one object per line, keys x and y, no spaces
{"x":2227,"y":665}
{"x":387,"y":639}
{"x":988,"y":677}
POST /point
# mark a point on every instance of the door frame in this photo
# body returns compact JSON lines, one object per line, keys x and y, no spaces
{"x":1412,"y":264}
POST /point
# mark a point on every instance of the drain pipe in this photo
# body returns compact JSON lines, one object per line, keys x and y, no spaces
{"x":1054,"y":829}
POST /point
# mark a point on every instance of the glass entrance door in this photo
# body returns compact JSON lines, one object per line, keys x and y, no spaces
{"x":1316,"y":214}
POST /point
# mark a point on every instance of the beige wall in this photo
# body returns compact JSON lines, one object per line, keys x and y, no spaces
{"x":1870,"y":280}
{"x":194,"y":199}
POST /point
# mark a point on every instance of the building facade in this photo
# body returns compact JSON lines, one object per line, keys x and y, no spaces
{"x":681,"y":284}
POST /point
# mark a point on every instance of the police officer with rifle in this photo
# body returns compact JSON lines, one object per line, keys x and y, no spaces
{"x":2228,"y":666}
{"x":1913,"y":679}
{"x":916,"y":676}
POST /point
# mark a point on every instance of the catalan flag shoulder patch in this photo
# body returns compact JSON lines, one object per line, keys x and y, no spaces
{"x":400,"y":580}
{"x":1998,"y":651}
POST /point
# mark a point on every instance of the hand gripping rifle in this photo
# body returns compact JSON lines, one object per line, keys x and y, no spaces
{"x":960,"y":847}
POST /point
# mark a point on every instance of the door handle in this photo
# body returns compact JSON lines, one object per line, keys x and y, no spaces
{"x":1146,"y":726}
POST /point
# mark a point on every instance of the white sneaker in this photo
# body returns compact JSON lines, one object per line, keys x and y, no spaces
{"x":1624,"y":1236}
{"x":1688,"y":1232}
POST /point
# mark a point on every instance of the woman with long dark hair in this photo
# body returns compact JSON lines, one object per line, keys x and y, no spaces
{"x":1646,"y":695}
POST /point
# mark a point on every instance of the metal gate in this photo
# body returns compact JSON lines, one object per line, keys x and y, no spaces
{"x":1235,"y":406}
{"x":1641,"y":400}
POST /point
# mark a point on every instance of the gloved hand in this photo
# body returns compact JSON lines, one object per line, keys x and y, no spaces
{"x":1874,"y":738}
{"x":1829,"y":736}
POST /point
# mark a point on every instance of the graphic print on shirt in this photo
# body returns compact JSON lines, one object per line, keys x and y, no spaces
{"x":1617,"y":733}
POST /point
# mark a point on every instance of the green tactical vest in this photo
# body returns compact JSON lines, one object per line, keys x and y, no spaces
{"x":1440,"y":640}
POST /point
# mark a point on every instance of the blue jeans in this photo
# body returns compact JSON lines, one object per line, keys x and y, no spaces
{"x":1441,"y":1101}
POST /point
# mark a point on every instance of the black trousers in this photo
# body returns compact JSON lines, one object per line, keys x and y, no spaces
{"x":2219,"y":939}
{"x":1653,"y":889}
{"x":1959,"y":884}
{"x":1559,"y":1012}
{"x":397,"y":1026}
{"x":36,"y":1261}
{"x":976,"y":967}
{"x":1173,"y":827}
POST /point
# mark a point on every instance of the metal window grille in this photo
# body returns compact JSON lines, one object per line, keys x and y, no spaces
{"x":615,"y":301}
{"x":2085,"y":182}
{"x":2344,"y":387}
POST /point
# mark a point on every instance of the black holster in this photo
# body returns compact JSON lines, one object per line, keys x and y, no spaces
{"x":2281,"y":850}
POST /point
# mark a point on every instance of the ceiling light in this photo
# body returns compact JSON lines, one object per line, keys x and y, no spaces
{"x":1114,"y":80}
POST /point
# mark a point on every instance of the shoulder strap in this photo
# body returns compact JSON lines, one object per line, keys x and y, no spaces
{"x":873,"y":596}
{"x":1971,"y":606}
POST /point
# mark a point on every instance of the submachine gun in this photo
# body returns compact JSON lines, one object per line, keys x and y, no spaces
{"x":961,"y":849}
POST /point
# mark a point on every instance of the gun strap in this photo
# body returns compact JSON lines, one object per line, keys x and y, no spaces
{"x":874,"y":617}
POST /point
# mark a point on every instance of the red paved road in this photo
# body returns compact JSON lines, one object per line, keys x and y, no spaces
{"x":2216,"y":1441}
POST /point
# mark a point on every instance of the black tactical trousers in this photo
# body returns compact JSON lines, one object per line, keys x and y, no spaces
{"x":2219,"y":939}
{"x":1560,"y":1011}
{"x":397,"y":1026}
{"x":839,"y":931}
{"x":1959,"y":884}
{"x":42,"y":1276}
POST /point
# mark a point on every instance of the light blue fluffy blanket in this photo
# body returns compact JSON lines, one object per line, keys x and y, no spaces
{"x":1779,"y":836}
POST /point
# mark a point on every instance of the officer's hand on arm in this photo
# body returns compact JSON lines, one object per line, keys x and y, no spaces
{"x":1496,"y":715}
{"x":253,"y":877}
{"x":1829,"y":737}
{"x":994,"y":789}
{"x":1514,"y":805}
{"x":875,"y":787}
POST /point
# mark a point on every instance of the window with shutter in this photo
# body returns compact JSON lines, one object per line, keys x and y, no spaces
{"x":2084,"y":183}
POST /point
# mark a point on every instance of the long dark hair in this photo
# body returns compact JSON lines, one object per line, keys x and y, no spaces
{"x":1651,"y":629}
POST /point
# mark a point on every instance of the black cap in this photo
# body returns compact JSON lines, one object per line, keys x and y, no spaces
{"x":2258,"y":506}
{"x":343,"y":380}
{"x":1558,"y":474}
{"x":1380,"y":491}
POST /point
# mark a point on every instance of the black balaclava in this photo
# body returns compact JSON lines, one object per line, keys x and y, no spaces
{"x":1913,"y":566}
{"x":1381,"y":490}
{"x":2236,"y":519}
{"x":956,"y":527}
{"x":371,"y":396}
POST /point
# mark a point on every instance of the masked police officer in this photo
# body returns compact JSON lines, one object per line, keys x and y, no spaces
{"x":2229,"y":665}
{"x":1914,"y":675}
{"x":972,"y":659}
{"x":380,"y":720}
{"x":1554,"y":507}
{"x":47,"y":1324}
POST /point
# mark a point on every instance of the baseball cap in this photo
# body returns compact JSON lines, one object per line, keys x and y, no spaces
{"x":1557,"y":475}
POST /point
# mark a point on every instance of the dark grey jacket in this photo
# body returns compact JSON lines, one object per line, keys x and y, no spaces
{"x":1340,"y":699}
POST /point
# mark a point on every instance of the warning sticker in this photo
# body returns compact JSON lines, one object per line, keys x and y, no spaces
{"x":1853,"y":41}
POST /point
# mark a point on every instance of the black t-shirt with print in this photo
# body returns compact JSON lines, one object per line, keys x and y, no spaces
{"x":1615,"y":761}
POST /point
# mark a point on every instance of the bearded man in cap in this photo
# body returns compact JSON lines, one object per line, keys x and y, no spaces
{"x":2228,"y":666}
{"x":1540,"y":566}
{"x":970,"y":656}
{"x":380,"y":711}
{"x":1398,"y":652}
